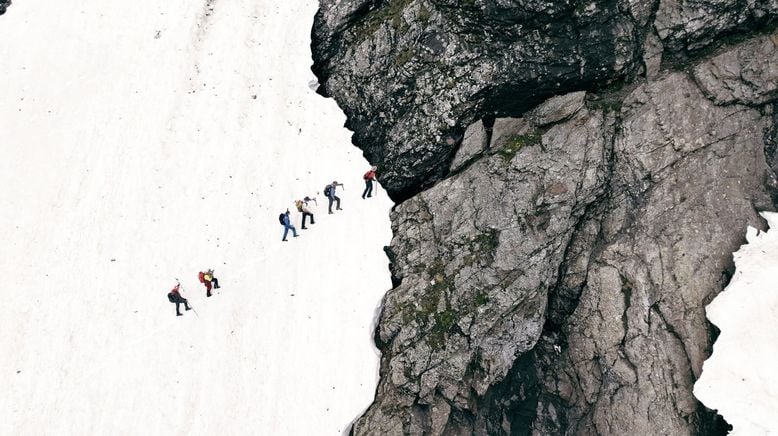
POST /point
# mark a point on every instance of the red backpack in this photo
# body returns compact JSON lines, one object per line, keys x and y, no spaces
{"x":201,"y":276}
{"x":368,"y":175}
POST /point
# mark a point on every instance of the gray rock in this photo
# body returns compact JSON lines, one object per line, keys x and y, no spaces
{"x":554,"y":280}
{"x":507,"y":129}
{"x":686,"y":173}
{"x":474,"y":142}
{"x":695,"y":24}
{"x":412,"y":61}
{"x":747,"y":74}
{"x":475,"y":256}
{"x":411,"y":75}
{"x":652,"y":55}
{"x":557,"y":108}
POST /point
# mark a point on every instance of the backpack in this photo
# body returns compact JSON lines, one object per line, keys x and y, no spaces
{"x":327,"y":190}
{"x":170,"y":297}
{"x":367,"y":176}
{"x":299,"y":205}
{"x":281,"y":218}
{"x":201,"y":277}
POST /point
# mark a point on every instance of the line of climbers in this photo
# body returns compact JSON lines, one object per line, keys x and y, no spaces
{"x":330,"y":191}
{"x":207,"y":278}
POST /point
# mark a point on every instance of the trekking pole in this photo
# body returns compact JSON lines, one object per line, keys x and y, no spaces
{"x":190,"y":306}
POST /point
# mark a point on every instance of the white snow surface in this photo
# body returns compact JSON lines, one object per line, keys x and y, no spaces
{"x":740,"y":378}
{"x":134,"y":153}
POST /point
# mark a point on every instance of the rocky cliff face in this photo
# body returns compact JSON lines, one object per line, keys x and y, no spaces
{"x":572,"y":179}
{"x":4,"y":5}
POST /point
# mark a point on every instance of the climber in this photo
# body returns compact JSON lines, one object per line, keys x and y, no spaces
{"x":305,"y":209}
{"x":175,"y":297}
{"x":369,"y":179}
{"x":329,"y":191}
{"x":207,"y":279}
{"x":286,"y":222}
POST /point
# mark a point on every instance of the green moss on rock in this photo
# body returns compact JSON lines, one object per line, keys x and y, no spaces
{"x":515,"y":143}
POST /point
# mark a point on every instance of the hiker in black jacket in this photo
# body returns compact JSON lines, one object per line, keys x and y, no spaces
{"x":175,"y":297}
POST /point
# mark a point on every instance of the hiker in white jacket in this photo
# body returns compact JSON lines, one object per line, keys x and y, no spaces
{"x":304,"y":207}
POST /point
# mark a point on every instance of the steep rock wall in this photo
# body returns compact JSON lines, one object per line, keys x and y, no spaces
{"x":573,"y":178}
{"x":411,"y":75}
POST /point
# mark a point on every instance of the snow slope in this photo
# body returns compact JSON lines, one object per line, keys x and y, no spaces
{"x":740,"y":378}
{"x":143,"y":142}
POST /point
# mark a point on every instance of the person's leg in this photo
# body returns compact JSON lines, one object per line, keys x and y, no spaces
{"x":312,"y":221}
{"x":286,"y":231}
{"x":304,"y":214}
{"x":338,"y":200}
{"x":178,"y":312}
{"x":294,"y":231}
{"x":215,"y":283}
{"x":186,"y":303}
{"x":330,"y":207}
{"x":367,"y":188}
{"x":207,"y":288}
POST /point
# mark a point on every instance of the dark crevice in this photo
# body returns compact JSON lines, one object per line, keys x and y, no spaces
{"x":509,"y":407}
{"x":681,"y":60}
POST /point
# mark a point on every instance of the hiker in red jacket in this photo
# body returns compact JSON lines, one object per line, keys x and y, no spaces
{"x":175,"y":297}
{"x":207,"y":279}
{"x":369,"y":178}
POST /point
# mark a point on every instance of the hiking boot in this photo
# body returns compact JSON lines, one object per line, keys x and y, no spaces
{"x":330,"y":212}
{"x":304,"y":228}
{"x":284,"y":240}
{"x":178,"y":314}
{"x":217,"y":287}
{"x":188,"y":308}
{"x":339,"y":209}
{"x":208,"y":295}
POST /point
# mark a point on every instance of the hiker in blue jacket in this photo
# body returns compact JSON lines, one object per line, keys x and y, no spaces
{"x":329,"y":191}
{"x":287,"y":223}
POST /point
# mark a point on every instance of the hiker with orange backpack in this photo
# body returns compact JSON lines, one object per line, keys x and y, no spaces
{"x":305,"y":209}
{"x":369,"y":179}
{"x":207,"y":279}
